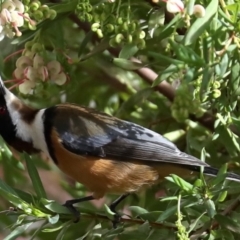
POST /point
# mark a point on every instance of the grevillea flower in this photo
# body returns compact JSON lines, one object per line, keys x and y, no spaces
{"x":11,"y":18}
{"x":174,"y":6}
{"x":32,"y":69}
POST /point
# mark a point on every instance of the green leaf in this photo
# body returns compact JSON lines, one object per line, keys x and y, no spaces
{"x":5,"y":187}
{"x":200,"y":25}
{"x":170,"y":211}
{"x":108,"y":211}
{"x":228,"y":139}
{"x":165,"y":74}
{"x":184,"y":185}
{"x":220,"y":176}
{"x":135,"y":99}
{"x":55,"y":228}
{"x":137,"y":210}
{"x":53,"y":219}
{"x":99,"y":48}
{"x":172,"y":198}
{"x":223,"y":234}
{"x":235,"y":80}
{"x":54,"y":206}
{"x":127,"y":64}
{"x":165,"y":59}
{"x":210,"y":207}
{"x":222,"y":196}
{"x":228,"y":223}
{"x":128,"y":51}
{"x":151,"y":216}
{"x":161,"y":234}
{"x":207,"y":75}
{"x":25,"y":196}
{"x":113,"y":233}
{"x":33,"y":173}
{"x":66,"y":225}
{"x":84,"y":43}
{"x":222,"y":67}
{"x":169,"y":28}
{"x":18,"y":231}
{"x":194,"y":224}
{"x":236,"y":123}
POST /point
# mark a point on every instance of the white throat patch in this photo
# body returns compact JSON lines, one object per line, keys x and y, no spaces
{"x":30,"y":132}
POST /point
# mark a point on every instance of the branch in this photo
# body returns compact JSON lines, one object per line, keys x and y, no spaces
{"x":17,"y":212}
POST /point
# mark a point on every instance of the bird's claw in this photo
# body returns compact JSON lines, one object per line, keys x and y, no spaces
{"x":73,"y":210}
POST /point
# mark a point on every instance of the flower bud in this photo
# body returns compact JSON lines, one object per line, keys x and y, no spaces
{"x":37,"y":47}
{"x":199,"y":11}
{"x":119,"y":37}
{"x":52,"y":13}
{"x":216,"y":93}
{"x":99,"y":33}
{"x":216,"y":84}
{"x":38,"y":15}
{"x":34,"y":6}
{"x":95,"y":26}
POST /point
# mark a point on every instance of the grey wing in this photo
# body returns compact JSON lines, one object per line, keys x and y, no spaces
{"x":97,"y":134}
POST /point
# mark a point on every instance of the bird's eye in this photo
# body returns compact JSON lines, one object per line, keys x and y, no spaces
{"x":2,"y":110}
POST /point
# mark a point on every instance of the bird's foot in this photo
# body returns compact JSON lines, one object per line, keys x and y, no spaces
{"x":116,"y":220}
{"x":73,"y":210}
{"x":69,"y":205}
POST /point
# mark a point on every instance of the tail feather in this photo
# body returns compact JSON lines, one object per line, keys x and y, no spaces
{"x":214,"y":171}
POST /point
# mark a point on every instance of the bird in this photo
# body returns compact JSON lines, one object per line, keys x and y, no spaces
{"x":100,"y":151}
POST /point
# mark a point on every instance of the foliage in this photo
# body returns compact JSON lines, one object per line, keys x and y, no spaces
{"x":168,"y":66}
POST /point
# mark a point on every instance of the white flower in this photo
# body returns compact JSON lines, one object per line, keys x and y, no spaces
{"x":11,"y":18}
{"x":38,"y":61}
{"x":43,"y":73}
{"x":18,"y":73}
{"x":30,"y":73}
{"x":54,"y":67}
{"x":27,"y":86}
{"x":60,"y":79}
{"x":19,"y":6}
{"x":23,"y":62}
{"x":8,"y":5}
{"x":175,"y":6}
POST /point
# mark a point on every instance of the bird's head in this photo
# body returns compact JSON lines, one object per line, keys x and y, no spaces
{"x":15,"y":119}
{"x":7,"y":127}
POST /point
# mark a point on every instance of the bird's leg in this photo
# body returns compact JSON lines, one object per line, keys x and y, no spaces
{"x":113,"y":206}
{"x":69,"y":205}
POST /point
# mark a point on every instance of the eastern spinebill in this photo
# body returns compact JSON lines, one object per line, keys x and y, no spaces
{"x":106,"y":154}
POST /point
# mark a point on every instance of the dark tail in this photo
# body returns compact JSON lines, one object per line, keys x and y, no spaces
{"x":214,"y":171}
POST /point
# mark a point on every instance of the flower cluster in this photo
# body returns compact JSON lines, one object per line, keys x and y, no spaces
{"x":32,"y":70}
{"x":11,"y":18}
